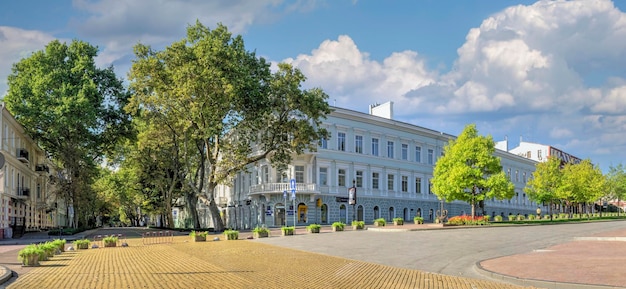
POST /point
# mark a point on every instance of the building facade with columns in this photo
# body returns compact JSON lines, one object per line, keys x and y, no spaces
{"x":390,"y":163}
{"x":25,"y":202}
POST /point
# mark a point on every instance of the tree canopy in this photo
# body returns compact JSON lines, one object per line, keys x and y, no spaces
{"x":224,"y":108}
{"x":469,"y":171}
{"x":546,"y":181}
{"x":72,"y":109}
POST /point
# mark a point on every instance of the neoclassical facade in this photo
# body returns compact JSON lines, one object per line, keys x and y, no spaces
{"x":25,"y":203}
{"x":390,"y":163}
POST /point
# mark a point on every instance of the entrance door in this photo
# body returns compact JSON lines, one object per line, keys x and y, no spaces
{"x":302,"y":210}
{"x":324,"y":214}
{"x":279,"y":215}
{"x":342,"y":214}
{"x":359,"y":213}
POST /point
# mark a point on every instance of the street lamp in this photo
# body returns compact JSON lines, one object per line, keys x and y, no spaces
{"x":352,"y":198}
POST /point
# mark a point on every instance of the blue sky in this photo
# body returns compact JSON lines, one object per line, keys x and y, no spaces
{"x":551,"y":72}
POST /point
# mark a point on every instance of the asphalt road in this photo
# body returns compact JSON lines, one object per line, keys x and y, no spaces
{"x":446,"y":251}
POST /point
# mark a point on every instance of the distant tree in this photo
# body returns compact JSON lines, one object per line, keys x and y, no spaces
{"x":546,"y":182}
{"x":616,"y":182}
{"x":225,"y":108}
{"x":469,"y":171}
{"x":583,"y":182}
{"x":73,"y":110}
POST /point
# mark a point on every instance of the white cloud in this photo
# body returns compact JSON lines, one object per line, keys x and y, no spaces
{"x":349,"y":76}
{"x":16,"y":44}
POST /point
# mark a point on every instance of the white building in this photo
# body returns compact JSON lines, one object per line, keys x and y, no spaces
{"x":538,"y":152}
{"x":390,"y":163}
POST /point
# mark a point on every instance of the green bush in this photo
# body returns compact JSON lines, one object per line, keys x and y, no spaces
{"x":110,"y":241}
{"x":398,"y":221}
{"x":260,"y":232}
{"x":28,"y":253}
{"x":359,"y":225}
{"x":418,"y":220}
{"x":563,"y":216}
{"x":338,"y":226}
{"x":82,"y":244}
{"x":487,"y":218}
{"x":380,"y":222}
{"x":287,"y":231}
{"x":497,"y":218}
{"x":531,"y":217}
{"x":511,"y":217}
{"x":520,"y":217}
{"x":60,"y":243}
{"x":231,"y":234}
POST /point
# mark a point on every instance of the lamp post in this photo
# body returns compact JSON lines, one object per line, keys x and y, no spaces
{"x":285,"y":208}
{"x":352,"y":198}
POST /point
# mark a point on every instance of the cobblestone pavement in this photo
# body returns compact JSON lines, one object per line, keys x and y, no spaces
{"x":225,"y":264}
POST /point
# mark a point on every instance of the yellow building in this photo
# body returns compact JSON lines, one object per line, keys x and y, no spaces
{"x":25,"y":201}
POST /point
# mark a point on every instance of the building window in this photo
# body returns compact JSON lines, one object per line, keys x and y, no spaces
{"x":324,"y":143}
{"x":390,"y":149}
{"x":359,"y":179}
{"x":508,"y":173}
{"x":405,"y":151}
{"x":390,"y":179}
{"x":539,"y":154}
{"x":430,"y":156}
{"x":524,"y":177}
{"x":323,"y":176}
{"x":266,"y":174}
{"x":300,"y":174}
{"x":405,"y":184}
{"x":358,"y":144}
{"x":375,"y":147}
{"x":528,"y":154}
{"x":418,"y":185}
{"x":341,"y":177}
{"x":418,"y":154}
{"x":430,"y":187}
{"x":341,"y":141}
{"x":516,"y":175}
{"x":375,"y":177}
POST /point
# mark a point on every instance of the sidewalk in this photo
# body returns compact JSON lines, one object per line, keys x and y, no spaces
{"x":584,"y":263}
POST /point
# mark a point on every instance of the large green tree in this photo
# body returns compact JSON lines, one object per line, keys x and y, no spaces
{"x":73,"y":110}
{"x":583,"y":183}
{"x":616,"y":183}
{"x":546,"y":182}
{"x":225,"y":108}
{"x":469,"y":171}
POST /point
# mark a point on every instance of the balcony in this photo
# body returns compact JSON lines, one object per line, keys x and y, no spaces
{"x":42,"y":169}
{"x":279,"y":188}
{"x":22,"y":155}
{"x":22,"y":192}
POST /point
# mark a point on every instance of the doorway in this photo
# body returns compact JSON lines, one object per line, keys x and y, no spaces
{"x":302,"y":211}
{"x":279,"y":215}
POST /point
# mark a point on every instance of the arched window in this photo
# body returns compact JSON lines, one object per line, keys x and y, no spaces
{"x":359,"y":213}
{"x":391,"y":214}
{"x":376,"y":213}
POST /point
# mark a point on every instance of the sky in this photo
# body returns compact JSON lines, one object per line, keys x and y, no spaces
{"x":549,"y":72}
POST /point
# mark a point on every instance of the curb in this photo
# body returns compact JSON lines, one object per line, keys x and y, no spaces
{"x":6,"y":274}
{"x":535,"y":282}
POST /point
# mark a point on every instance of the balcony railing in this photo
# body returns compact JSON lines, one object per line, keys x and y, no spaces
{"x":42,"y":169}
{"x":310,"y":188}
{"x":22,"y":155}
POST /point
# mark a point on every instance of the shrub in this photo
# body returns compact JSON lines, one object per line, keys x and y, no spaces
{"x":486,"y":218}
{"x":288,"y":230}
{"x":60,"y":243}
{"x":398,"y":221}
{"x":520,"y":217}
{"x":511,"y":217}
{"x":29,"y":255}
{"x":358,"y":225}
{"x":313,"y":228}
{"x":110,"y":241}
{"x":231,"y":234}
{"x":82,"y":244}
{"x":467,"y":220}
{"x":531,"y":217}
{"x":418,"y":220}
{"x":563,"y":216}
{"x":380,"y":222}
{"x":338,"y":226}
{"x":497,"y":218}
{"x":202,"y":234}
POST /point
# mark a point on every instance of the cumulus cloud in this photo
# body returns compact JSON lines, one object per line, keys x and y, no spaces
{"x":120,"y":24}
{"x":524,"y":71}
{"x":349,"y":75}
{"x":16,"y":44}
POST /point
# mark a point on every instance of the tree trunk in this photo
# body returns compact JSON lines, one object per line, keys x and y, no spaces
{"x":192,"y":203}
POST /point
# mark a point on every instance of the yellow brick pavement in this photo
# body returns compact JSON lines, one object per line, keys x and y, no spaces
{"x":225,"y":264}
